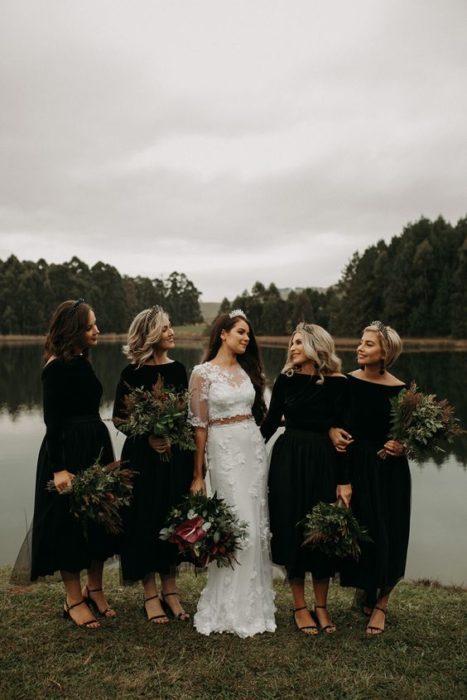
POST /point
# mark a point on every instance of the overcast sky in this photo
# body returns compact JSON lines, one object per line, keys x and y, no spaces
{"x":233,"y":140}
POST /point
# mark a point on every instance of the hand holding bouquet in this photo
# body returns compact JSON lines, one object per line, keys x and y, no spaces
{"x":157,"y":412}
{"x":334,"y":530}
{"x":206,"y":529}
{"x":420,"y":421}
{"x":98,"y":493}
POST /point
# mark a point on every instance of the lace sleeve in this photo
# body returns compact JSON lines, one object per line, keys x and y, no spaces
{"x":198,"y":412}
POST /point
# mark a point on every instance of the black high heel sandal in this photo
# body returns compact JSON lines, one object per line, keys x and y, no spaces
{"x":329,"y":628}
{"x":378,"y":630}
{"x":154,"y":617}
{"x":305,"y":627}
{"x":183,"y":616}
{"x":67,"y":616}
{"x":92,"y":603}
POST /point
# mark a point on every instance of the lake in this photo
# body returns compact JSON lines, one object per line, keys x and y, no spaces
{"x":438,"y":548}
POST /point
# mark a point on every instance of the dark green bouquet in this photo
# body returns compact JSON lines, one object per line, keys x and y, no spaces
{"x":98,"y":493}
{"x":334,"y":530}
{"x":420,"y":422}
{"x":159,"y":412}
{"x":206,"y":529}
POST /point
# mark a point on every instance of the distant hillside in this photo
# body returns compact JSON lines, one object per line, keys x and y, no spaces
{"x":209,"y":310}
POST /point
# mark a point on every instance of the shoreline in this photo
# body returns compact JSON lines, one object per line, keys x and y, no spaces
{"x":410,"y":344}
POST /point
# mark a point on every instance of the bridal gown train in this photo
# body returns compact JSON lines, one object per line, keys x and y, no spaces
{"x":238,"y":600}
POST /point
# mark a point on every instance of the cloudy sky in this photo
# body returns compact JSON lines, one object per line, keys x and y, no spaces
{"x":233,"y":140}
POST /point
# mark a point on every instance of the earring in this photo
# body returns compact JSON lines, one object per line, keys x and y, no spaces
{"x":381,"y":367}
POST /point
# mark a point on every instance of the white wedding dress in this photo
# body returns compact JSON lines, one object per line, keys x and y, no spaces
{"x":239,"y":600}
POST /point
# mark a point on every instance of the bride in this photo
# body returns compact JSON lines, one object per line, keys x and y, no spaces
{"x":226,"y":405}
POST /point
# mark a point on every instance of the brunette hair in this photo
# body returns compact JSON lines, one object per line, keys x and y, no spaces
{"x":66,"y":330}
{"x":144,"y":334}
{"x":319,"y":347}
{"x":250,"y":360}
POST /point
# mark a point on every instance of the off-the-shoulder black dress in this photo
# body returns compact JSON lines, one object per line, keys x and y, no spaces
{"x":75,"y":437}
{"x":305,"y":468}
{"x":380,"y":491}
{"x":159,"y":485}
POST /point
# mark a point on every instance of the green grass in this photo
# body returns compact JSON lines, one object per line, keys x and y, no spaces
{"x":419,"y":656}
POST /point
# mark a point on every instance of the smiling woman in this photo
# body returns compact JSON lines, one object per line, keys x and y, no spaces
{"x":75,"y":439}
{"x":226,"y":405}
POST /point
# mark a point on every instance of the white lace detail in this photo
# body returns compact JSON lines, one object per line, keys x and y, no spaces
{"x":218,"y":393}
{"x":240,"y":601}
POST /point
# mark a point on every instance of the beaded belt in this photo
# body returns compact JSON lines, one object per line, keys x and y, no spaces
{"x":230,"y":419}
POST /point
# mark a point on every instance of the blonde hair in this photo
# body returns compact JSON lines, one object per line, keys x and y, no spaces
{"x":144,"y":334}
{"x":389,"y":340}
{"x":318,"y":346}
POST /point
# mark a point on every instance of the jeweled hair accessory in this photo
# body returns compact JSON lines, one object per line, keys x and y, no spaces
{"x":154,"y":310}
{"x":237,"y":312}
{"x":381,"y":327}
{"x":76,"y":304}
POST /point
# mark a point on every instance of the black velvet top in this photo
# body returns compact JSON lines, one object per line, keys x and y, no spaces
{"x":70,"y":390}
{"x":369,"y":409}
{"x":305,"y":404}
{"x":173,"y":375}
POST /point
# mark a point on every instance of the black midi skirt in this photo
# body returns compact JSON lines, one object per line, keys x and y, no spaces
{"x":58,"y":539}
{"x":381,"y":493}
{"x":302,"y":473}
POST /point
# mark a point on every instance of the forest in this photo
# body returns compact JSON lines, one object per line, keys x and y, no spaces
{"x":416,"y":283}
{"x":29,"y":291}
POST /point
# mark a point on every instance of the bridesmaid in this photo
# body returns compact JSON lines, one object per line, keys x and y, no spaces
{"x":310,"y":393}
{"x":75,"y":438}
{"x":160,"y":484}
{"x":381,"y":488}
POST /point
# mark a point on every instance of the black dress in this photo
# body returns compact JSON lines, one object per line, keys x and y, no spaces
{"x":305,"y":469}
{"x":380,"y":492}
{"x":158,"y":486}
{"x":74,"y":439}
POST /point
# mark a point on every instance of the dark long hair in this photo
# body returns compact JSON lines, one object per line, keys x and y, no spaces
{"x":250,"y":360}
{"x":66,"y":330}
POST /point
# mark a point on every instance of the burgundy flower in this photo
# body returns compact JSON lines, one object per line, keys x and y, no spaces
{"x":191,"y":530}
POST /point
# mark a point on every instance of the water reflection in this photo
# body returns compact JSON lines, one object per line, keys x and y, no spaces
{"x":441,"y":373}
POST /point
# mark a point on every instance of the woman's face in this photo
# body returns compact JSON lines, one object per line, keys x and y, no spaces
{"x":237,"y":339}
{"x":369,"y":351}
{"x":91,"y":332}
{"x":297,"y":352}
{"x":167,"y":339}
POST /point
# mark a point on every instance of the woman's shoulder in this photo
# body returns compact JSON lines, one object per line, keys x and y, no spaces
{"x":391,"y":381}
{"x":204,"y":369}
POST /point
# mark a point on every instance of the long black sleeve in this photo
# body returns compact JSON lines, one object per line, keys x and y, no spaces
{"x":54,"y":408}
{"x":275,"y":412}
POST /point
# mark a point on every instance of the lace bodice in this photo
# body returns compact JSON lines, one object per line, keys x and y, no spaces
{"x":217,"y":392}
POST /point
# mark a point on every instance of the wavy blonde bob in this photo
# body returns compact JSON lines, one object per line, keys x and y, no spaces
{"x":389,"y":339}
{"x":144,"y":334}
{"x":319,"y":347}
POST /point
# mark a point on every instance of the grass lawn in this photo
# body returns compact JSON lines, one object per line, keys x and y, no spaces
{"x":421,"y":654}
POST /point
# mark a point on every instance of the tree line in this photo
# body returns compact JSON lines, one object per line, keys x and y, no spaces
{"x":29,"y":291}
{"x":417,"y":283}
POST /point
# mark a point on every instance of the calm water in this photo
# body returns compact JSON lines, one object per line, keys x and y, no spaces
{"x":438,"y":547}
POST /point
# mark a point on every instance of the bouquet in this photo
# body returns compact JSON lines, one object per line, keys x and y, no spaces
{"x":334,"y":530}
{"x":98,"y":493}
{"x":206,"y":529}
{"x":159,"y":412}
{"x":420,"y":421}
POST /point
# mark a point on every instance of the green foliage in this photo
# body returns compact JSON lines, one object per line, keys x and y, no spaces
{"x":421,"y":422}
{"x":206,"y":529}
{"x":29,"y":292}
{"x":160,"y":412}
{"x":97,"y":495}
{"x":334,"y":530}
